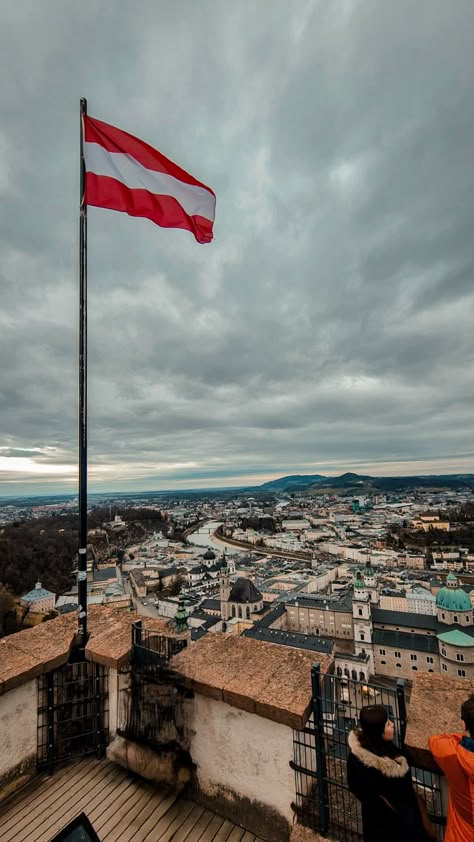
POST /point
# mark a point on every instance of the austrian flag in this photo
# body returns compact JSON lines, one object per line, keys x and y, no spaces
{"x":125,"y":174}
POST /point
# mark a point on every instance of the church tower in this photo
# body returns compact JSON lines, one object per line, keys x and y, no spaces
{"x":224,"y":582}
{"x":370,"y":581}
{"x":362,"y":620}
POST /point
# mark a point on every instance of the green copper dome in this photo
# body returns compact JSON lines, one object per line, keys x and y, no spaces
{"x":181,"y":617}
{"x":453,"y":599}
{"x":358,"y":580}
{"x":368,"y":571}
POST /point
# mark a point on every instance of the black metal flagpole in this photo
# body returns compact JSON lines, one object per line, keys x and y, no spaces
{"x":82,"y":562}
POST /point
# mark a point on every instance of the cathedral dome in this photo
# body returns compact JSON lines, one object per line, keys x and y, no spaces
{"x":209,"y":555}
{"x":452,"y":597}
{"x":244,"y":590}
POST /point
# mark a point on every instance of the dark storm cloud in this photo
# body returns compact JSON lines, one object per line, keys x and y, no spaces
{"x":328,"y":325}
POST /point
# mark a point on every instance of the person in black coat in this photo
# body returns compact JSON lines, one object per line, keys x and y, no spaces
{"x":379,"y":776}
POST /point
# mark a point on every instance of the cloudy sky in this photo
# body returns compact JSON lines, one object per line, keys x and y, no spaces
{"x":328,"y":327}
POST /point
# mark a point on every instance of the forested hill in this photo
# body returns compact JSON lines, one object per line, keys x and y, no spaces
{"x":45,"y":549}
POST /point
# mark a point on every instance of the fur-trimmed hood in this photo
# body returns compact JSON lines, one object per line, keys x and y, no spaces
{"x":391,"y":767}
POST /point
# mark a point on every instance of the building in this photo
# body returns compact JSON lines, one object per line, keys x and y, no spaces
{"x":39,"y":599}
{"x":405,"y":643}
{"x":429,"y":522}
{"x":241,"y":600}
{"x":321,"y":615}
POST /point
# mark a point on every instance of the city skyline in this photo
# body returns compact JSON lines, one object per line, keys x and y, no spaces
{"x":327,"y":328}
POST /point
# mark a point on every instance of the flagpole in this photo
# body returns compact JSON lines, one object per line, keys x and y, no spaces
{"x":82,"y":561}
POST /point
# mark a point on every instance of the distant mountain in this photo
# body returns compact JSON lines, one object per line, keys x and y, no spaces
{"x":295,"y":482}
{"x":362,"y":483}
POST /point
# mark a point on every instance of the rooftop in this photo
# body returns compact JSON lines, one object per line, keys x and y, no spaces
{"x":404,"y":618}
{"x":38,"y":592}
{"x":244,"y":590}
{"x":299,"y":641}
{"x":456,"y":637}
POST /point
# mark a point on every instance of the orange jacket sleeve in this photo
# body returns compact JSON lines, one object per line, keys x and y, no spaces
{"x":443,"y":747}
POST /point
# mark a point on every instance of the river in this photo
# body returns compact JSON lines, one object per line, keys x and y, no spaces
{"x":204,"y":537}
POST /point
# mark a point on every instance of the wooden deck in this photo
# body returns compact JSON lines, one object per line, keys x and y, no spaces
{"x":121,"y":807}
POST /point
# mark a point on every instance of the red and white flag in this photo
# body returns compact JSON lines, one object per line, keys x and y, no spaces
{"x":125,"y":174}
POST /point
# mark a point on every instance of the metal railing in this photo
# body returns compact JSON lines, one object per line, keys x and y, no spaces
{"x":73,"y":711}
{"x":149,"y":707}
{"x":323,"y":799}
{"x":149,"y":648}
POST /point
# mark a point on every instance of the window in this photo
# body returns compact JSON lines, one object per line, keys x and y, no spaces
{"x":413,"y":657}
{"x":414,"y":668}
{"x":399,"y":666}
{"x":462,"y":673}
{"x":383,"y":662}
{"x":382,"y":651}
{"x":362,"y":635}
{"x":398,"y":654}
{"x":467,"y":618}
{"x":442,"y":616}
{"x":443,"y":650}
{"x":459,"y":657}
{"x":360,"y":612}
{"x":445,"y":668}
{"x":429,"y":659}
{"x":455,"y":618}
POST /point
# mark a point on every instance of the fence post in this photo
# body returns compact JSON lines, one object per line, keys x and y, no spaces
{"x":137,"y":633}
{"x":320,"y":748}
{"x":50,"y":720}
{"x":402,"y":708}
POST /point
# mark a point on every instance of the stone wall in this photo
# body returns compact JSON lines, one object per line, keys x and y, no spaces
{"x":242,"y":766}
{"x":18,"y":736}
{"x":435,"y":708}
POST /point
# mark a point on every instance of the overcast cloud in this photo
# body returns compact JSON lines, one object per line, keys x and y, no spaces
{"x":328,"y":327}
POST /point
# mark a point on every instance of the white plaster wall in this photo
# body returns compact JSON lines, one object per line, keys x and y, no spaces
{"x":18,"y":726}
{"x":244,"y":753}
{"x":119,"y":683}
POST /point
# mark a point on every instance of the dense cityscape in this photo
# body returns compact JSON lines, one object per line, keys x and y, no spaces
{"x":382,"y":583}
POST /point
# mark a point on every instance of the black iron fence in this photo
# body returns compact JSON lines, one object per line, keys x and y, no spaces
{"x":150,"y":709}
{"x":73,"y":705}
{"x":323,"y":799}
{"x":150,"y":648}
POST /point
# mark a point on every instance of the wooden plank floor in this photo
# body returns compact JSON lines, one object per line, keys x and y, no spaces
{"x":121,"y":807}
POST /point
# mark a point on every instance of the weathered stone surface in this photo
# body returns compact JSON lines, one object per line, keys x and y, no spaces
{"x":435,"y":708}
{"x":29,"y":653}
{"x":263,"y":678}
{"x":164,"y":767}
{"x":304,"y":834}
